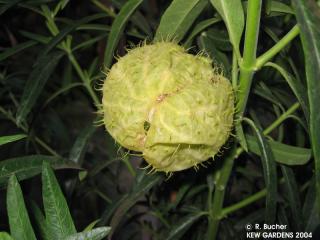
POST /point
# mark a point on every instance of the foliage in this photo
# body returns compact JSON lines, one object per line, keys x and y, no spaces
{"x":56,"y":223}
{"x":53,"y":58}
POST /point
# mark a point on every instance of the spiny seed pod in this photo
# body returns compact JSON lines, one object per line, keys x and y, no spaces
{"x":170,"y":105}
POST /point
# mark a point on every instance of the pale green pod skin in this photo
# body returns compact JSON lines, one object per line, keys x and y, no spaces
{"x":170,"y":105}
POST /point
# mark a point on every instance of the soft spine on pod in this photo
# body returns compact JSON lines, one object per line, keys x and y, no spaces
{"x":172,"y":106}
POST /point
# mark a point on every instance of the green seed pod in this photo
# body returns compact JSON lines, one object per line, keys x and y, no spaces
{"x":170,"y":105}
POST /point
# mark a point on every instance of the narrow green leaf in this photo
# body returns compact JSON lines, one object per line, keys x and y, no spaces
{"x":282,"y":216}
{"x":79,"y":146}
{"x":297,"y":87}
{"x":40,"y":221}
{"x":32,"y":5}
{"x":220,"y":39}
{"x":308,"y":16}
{"x":19,"y":222}
{"x":276,"y":6}
{"x":36,"y":37}
{"x":241,"y":137}
{"x":106,"y":29}
{"x":61,"y":91}
{"x":60,"y":6}
{"x":35,"y":83}
{"x":178,"y":18}
{"x":29,"y":166}
{"x":282,"y":153}
{"x":117,"y":29}
{"x":199,"y":28}
{"x":91,"y":225}
{"x":18,"y":48}
{"x":269,"y":172}
{"x":11,"y":138}
{"x":179,"y":229}
{"x":137,"y":19}
{"x":232,"y":14}
{"x":142,"y":23}
{"x":107,"y":214}
{"x":144,"y":182}
{"x":89,"y":42}
{"x":264,"y":91}
{"x":180,"y":195}
{"x":70,"y":28}
{"x":208,"y":46}
{"x":9,"y":5}
{"x":292,"y":191}
{"x":58,"y":217}
{"x":95,"y":27}
{"x":95,"y":234}
{"x":78,"y":150}
{"x":311,"y":217}
{"x":5,"y":236}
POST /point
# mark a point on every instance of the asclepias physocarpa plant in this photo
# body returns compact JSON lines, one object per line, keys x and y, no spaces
{"x":177,"y":110}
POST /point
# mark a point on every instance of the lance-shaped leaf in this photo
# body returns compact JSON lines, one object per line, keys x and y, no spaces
{"x":35,"y":83}
{"x":308,"y":16}
{"x":231,"y":12}
{"x":117,"y":29}
{"x":178,"y":18}
{"x":58,"y":217}
{"x":20,"y":226}
{"x":29,"y":166}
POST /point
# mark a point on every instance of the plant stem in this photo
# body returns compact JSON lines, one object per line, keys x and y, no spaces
{"x":234,"y":76}
{"x":221,"y":180}
{"x":244,"y":202}
{"x":86,"y":81}
{"x":277,"y":47}
{"x":104,"y":8}
{"x":103,"y":196}
{"x":129,"y":166}
{"x":281,"y":118}
{"x":216,"y":210}
{"x":262,"y":193}
{"x":246,"y":74}
{"x":46,"y":147}
{"x":23,"y":128}
{"x":249,"y":53}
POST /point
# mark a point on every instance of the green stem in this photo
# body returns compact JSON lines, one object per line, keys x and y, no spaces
{"x":221,"y":180}
{"x":277,"y":47}
{"x":25,"y":130}
{"x":86,"y":81}
{"x":234,"y":70}
{"x":281,"y":118}
{"x":129,"y":166}
{"x":104,"y":8}
{"x":46,"y":147}
{"x":245,"y":202}
{"x":103,"y":196}
{"x":216,"y":210}
{"x":249,"y":53}
{"x":262,"y":193}
{"x":252,"y":32}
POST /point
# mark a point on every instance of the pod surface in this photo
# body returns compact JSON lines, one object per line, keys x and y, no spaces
{"x":170,"y":105}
